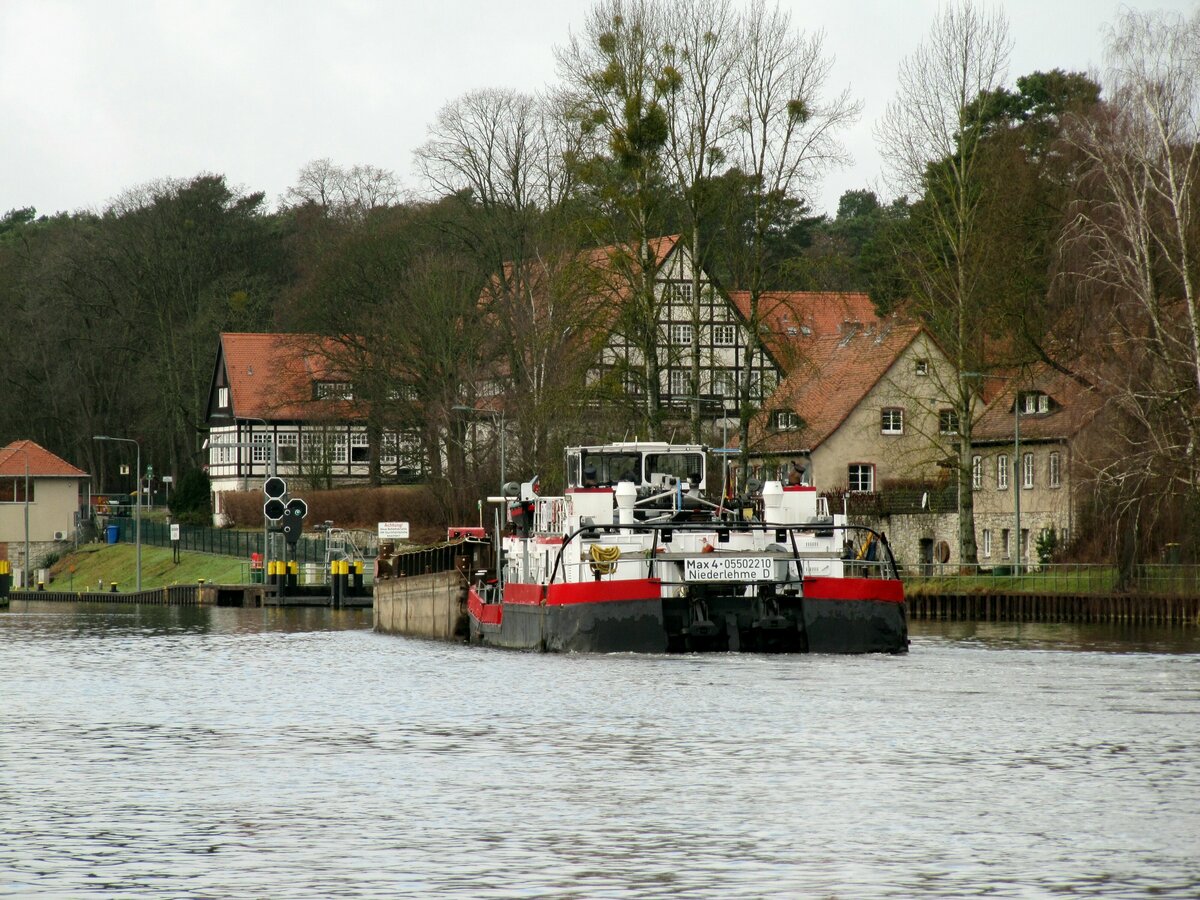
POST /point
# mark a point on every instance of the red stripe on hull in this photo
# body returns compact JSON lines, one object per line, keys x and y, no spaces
{"x":882,"y":590}
{"x":529,"y":594}
{"x":563,"y":594}
{"x":487,"y":613}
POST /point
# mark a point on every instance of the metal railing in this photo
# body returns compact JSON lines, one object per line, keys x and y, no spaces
{"x":1055,"y":578}
{"x":221,"y":541}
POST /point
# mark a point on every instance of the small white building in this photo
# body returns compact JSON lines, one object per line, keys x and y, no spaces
{"x":43,"y":500}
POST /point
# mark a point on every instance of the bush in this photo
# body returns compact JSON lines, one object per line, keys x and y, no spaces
{"x":191,"y":504}
{"x":352,"y":507}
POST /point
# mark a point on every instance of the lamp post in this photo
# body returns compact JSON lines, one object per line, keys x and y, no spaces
{"x":1018,"y":470}
{"x":498,"y":416}
{"x":138,"y":507}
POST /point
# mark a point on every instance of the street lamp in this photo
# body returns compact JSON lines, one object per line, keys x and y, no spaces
{"x":138,"y":507}
{"x":498,"y":416}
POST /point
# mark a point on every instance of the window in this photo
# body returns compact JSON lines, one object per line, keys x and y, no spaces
{"x":360,"y":447}
{"x":223,"y":398}
{"x":1055,"y":470}
{"x":987,"y":542}
{"x":724,"y":335}
{"x":1027,"y":470}
{"x":1034,"y":402}
{"x":1002,"y":472}
{"x":1004,"y":543}
{"x":339,"y":448}
{"x":862,"y":477}
{"x":679,"y":382}
{"x":334,"y":390}
{"x":921,"y":367}
{"x":724,"y":383}
{"x":976,"y":472}
{"x":948,"y":421}
{"x":679,"y":293}
{"x":786,"y":420}
{"x":286,"y":447}
{"x":12,"y":490}
{"x":312,"y":447}
{"x":681,"y":334}
{"x":389,"y":449}
{"x":261,"y":451}
{"x":891,"y":421}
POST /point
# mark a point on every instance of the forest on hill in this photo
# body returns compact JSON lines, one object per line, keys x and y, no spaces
{"x":1048,"y":220}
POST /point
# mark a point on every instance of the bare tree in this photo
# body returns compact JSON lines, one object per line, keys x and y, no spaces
{"x":338,"y":191}
{"x":786,"y":137}
{"x":703,"y":49}
{"x":500,"y":156}
{"x":617,"y":79}
{"x":930,"y":137}
{"x":1136,"y":230}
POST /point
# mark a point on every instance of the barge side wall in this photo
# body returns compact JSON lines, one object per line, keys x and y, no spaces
{"x":426,"y":606}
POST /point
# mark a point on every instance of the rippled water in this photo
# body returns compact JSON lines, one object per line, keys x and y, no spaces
{"x":213,"y":753}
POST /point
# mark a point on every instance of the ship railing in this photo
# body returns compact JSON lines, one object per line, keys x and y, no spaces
{"x":864,"y":550}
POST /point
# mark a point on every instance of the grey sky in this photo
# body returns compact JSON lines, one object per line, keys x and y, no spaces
{"x":97,"y":96}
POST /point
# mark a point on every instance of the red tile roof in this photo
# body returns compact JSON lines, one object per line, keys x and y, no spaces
{"x":835,"y":375}
{"x":1074,"y":405}
{"x":271,"y":376}
{"x":793,"y":318}
{"x":42,"y":463}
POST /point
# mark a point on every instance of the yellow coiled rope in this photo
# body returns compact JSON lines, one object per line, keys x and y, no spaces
{"x":604,"y":559}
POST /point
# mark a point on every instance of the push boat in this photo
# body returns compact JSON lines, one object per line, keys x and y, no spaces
{"x":634,"y":558}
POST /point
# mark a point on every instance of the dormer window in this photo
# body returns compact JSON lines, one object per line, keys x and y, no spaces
{"x":222,"y":398}
{"x":333,"y":390}
{"x":1034,"y":403}
{"x":785,"y":420}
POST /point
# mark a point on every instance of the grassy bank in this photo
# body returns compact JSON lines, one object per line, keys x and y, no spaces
{"x":94,"y":564}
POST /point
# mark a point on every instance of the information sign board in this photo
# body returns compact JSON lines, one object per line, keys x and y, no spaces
{"x":393,"y":531}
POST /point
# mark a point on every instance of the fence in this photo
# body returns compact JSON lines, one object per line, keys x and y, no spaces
{"x":222,"y":541}
{"x":1058,"y":578}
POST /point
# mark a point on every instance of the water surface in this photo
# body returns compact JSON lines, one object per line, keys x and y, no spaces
{"x":204,"y":753}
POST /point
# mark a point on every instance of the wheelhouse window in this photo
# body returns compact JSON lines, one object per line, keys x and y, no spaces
{"x":891,"y":420}
{"x":1027,"y":470}
{"x":1055,"y":470}
{"x":861,"y":478}
{"x":948,"y":421}
{"x":976,"y":472}
{"x":1002,"y":472}
{"x":785,"y":420}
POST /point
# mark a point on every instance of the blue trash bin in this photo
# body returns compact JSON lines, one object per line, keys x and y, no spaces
{"x":112,"y":531}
